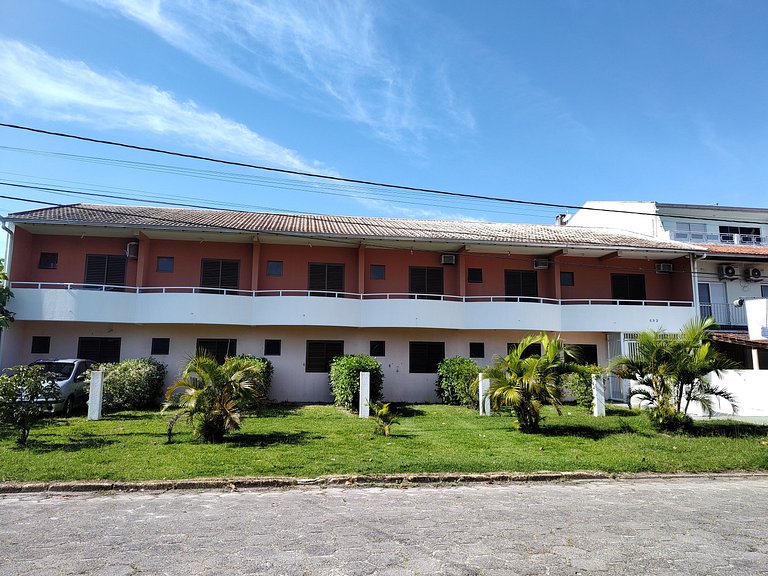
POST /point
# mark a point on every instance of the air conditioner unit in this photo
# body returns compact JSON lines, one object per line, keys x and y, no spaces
{"x":132,"y":250}
{"x":448,"y":259}
{"x":664,"y":268}
{"x":727,"y":272}
{"x":753,"y":274}
{"x":540,"y":263}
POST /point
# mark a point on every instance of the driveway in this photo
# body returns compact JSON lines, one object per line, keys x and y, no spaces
{"x":699,"y":525}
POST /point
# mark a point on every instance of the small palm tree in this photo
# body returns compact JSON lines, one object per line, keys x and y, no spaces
{"x":524,"y":382}
{"x":211,"y":395}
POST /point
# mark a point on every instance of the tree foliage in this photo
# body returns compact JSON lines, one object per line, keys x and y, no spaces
{"x":25,"y":396}
{"x":525,"y":382}
{"x":6,"y":316}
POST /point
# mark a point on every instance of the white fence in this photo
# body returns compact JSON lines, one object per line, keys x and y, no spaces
{"x":750,"y":388}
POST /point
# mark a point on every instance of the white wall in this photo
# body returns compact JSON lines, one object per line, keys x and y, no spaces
{"x":291,"y":382}
{"x":757,"y":318}
{"x":750,"y":388}
{"x":643,"y":220}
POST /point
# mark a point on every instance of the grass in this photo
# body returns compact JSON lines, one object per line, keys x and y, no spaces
{"x":308,"y":441}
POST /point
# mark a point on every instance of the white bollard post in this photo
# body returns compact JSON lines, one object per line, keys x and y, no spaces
{"x":95,"y":395}
{"x":598,"y":394}
{"x":365,"y":394}
{"x":482,"y":399}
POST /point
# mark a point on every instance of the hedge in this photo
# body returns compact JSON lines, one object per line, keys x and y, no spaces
{"x":456,"y":378}
{"x":344,"y":379}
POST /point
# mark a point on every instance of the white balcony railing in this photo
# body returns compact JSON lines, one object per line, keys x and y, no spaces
{"x":710,"y":238}
{"x":724,"y":314}
{"x":198,"y":305}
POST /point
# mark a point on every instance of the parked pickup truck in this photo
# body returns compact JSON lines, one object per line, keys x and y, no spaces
{"x":70,"y":377}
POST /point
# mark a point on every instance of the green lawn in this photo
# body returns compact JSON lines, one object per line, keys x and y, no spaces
{"x":308,"y":441}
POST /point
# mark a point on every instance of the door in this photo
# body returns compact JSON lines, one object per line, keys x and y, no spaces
{"x":713,"y":301}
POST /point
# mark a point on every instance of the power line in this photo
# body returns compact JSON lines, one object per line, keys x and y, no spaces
{"x":347,"y":180}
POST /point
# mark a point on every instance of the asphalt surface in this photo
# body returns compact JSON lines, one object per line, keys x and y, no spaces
{"x":701,"y":525}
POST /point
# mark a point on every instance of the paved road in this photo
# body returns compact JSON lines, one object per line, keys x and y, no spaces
{"x":644,"y":527}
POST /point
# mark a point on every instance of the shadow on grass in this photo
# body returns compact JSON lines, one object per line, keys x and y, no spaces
{"x":586,"y":431}
{"x":728,"y":429}
{"x":281,"y":410}
{"x":407,"y":410}
{"x":82,"y":442}
{"x":621,"y":410}
{"x":128,"y":416}
{"x":250,"y":440}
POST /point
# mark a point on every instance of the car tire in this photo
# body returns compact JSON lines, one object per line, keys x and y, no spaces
{"x":69,"y":406}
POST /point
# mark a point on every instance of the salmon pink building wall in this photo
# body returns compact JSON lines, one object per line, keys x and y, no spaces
{"x":397,"y":269}
{"x":493,"y":267}
{"x":72,"y":251}
{"x":296,"y":260}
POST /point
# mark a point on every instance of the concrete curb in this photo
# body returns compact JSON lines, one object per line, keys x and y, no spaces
{"x":350,"y":480}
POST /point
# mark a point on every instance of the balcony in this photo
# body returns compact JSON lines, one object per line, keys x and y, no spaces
{"x":726,"y":315}
{"x":193,"y":305}
{"x":709,"y":238}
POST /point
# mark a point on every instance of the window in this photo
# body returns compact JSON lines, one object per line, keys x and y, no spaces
{"x":425,"y":356}
{"x":41,"y":344}
{"x":582,"y":353}
{"x":521,"y":283}
{"x":764,"y":290}
{"x":320,"y":354}
{"x":99,"y":349}
{"x":48,"y":260}
{"x":103,"y":269}
{"x":475,"y":275}
{"x":567,"y":279}
{"x":272,"y":347}
{"x":477,"y":349}
{"x":326,"y":277}
{"x":746,"y":235}
{"x":423,"y":280}
{"x":220,"y":349}
{"x":160,"y":346}
{"x":532,"y":350}
{"x":165,"y":263}
{"x":378,"y":348}
{"x":378,"y":271}
{"x":274,"y":268}
{"x":220,"y":274}
{"x":627,"y":287}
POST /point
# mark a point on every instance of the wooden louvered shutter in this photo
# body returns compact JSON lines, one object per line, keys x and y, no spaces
{"x":417,"y":280}
{"x":95,"y":269}
{"x":529,"y":285}
{"x":210,"y":273}
{"x":434,"y":280}
{"x":334,"y":279}
{"x":115,"y":270}
{"x":230,"y":274}
{"x":316,"y":277}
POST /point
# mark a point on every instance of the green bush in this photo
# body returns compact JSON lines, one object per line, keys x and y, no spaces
{"x":665,"y":418}
{"x":260,"y":375}
{"x":456,"y":378}
{"x":580,"y":385}
{"x":25,"y":395}
{"x":344,"y":379}
{"x":132,"y":384}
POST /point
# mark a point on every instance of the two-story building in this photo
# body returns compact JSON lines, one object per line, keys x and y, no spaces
{"x":114,"y":282}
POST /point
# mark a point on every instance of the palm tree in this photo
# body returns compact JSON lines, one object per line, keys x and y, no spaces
{"x":212,"y":395}
{"x":524,"y":382}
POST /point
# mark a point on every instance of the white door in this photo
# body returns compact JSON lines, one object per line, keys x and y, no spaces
{"x":713,"y":301}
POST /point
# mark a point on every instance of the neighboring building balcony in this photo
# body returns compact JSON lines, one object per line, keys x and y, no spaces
{"x":194,"y":305}
{"x":715,"y":238}
{"x":726,"y":315}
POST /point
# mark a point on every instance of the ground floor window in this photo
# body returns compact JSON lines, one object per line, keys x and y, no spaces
{"x":532,"y":350}
{"x":477,"y":349}
{"x":425,"y":356}
{"x":41,"y":344}
{"x":160,"y":346}
{"x":320,"y":354}
{"x":99,"y":349}
{"x":272,"y":347}
{"x":583,"y":353}
{"x":219,"y":349}
{"x":378,"y":348}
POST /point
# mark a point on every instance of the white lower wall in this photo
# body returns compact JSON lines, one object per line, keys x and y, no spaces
{"x":290,"y":381}
{"x":750,"y":388}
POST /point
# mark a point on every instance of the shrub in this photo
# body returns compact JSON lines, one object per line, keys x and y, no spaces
{"x":580,"y":385}
{"x":383,"y":417}
{"x":25,"y":393}
{"x":132,"y":384}
{"x":455,"y":381}
{"x":344,"y":378}
{"x":665,"y":418}
{"x":259,"y":375}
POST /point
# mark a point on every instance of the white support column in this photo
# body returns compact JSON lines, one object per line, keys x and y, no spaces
{"x":365,"y":394}
{"x":755,"y":359}
{"x":96,"y":395}
{"x":598,"y":395}
{"x":484,"y":402}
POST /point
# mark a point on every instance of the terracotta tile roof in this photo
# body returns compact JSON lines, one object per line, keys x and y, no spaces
{"x":345,"y":226}
{"x":737,"y":249}
{"x":741,"y":338}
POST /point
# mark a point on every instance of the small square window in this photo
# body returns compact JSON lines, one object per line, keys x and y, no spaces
{"x":378,"y":348}
{"x":160,"y":346}
{"x":272,"y":347}
{"x":165,"y":263}
{"x":41,"y":344}
{"x":475,"y":275}
{"x":566,"y":279}
{"x":274,"y":268}
{"x":477,"y":349}
{"x":378,"y":271}
{"x":48,"y":260}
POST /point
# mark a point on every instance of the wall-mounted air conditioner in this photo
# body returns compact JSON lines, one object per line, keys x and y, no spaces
{"x":132,"y":250}
{"x":753,"y":274}
{"x":727,"y":272}
{"x":540,"y":263}
{"x":664,"y":268}
{"x":448,"y":258}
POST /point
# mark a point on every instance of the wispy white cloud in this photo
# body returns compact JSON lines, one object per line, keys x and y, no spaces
{"x":328,"y":56}
{"x":40,"y":85}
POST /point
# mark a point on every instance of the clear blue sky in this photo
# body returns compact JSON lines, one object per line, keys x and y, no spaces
{"x":563,"y":101}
